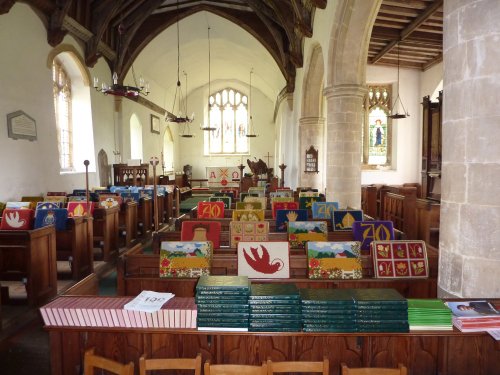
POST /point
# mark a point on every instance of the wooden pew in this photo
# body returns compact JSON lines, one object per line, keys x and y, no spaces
{"x":106,"y":231}
{"x":427,"y":221}
{"x":145,"y":216}
{"x":127,"y":223}
{"x":417,"y":218}
{"x":30,"y":255}
{"x":225,"y":239}
{"x":75,"y":244}
{"x":137,"y":272}
{"x":369,"y":200}
{"x":89,"y":285}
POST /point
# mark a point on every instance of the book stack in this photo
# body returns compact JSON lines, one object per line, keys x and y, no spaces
{"x":428,"y":315}
{"x":274,"y":308}
{"x":222,"y":303}
{"x":109,"y":312}
{"x":380,"y":310}
{"x":474,"y":316}
{"x":328,"y":310}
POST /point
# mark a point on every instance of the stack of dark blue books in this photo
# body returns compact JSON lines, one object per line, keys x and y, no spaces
{"x":380,"y":310}
{"x":274,"y":308}
{"x":328,"y":310}
{"x":222,"y":303}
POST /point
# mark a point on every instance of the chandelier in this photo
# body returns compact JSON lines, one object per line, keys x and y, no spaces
{"x":251,"y":131}
{"x":123,"y":90}
{"x":394,"y":110}
{"x":180,"y":118}
{"x":208,"y":127}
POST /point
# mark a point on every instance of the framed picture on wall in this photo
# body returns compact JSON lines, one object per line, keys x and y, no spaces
{"x":155,"y":124}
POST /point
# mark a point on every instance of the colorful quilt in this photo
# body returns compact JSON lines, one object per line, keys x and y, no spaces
{"x":56,"y":217}
{"x":406,"y":259}
{"x":17,"y":219}
{"x":284,"y":216}
{"x":334,"y":260}
{"x":368,"y":231}
{"x":185,"y":258}
{"x":210,"y":210}
{"x":248,"y":215}
{"x":344,"y":219}
{"x":264,"y":260}
{"x":248,"y":231}
{"x":201,"y":231}
{"x":324,"y":210}
{"x":300,"y":232}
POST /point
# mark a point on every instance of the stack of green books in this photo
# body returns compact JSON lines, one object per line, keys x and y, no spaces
{"x":328,"y":310}
{"x":274,"y":308}
{"x":428,"y":315}
{"x":222,"y":303}
{"x":380,"y":310}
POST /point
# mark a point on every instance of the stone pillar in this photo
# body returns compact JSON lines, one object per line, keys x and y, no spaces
{"x":343,"y":154}
{"x":311,"y":133}
{"x":469,"y":247}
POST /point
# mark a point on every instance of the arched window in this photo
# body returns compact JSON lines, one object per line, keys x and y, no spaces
{"x":168,"y":151}
{"x":62,"y":105}
{"x":377,"y":135}
{"x":73,"y":112}
{"x":229,"y":117}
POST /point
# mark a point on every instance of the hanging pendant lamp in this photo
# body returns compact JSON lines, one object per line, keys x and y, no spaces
{"x":394,"y":110}
{"x":182,"y":116}
{"x":208,"y":127}
{"x":251,"y":130}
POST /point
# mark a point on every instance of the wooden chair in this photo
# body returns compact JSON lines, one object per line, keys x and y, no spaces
{"x":322,"y":367}
{"x":170,"y":364}
{"x":92,"y":362}
{"x":227,"y":369}
{"x":401,"y":370}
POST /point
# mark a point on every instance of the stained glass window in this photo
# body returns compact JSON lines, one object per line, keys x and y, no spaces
{"x":377,"y":128}
{"x":229,"y":117}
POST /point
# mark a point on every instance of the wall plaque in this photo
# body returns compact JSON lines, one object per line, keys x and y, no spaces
{"x":21,"y":126}
{"x":312,"y":160}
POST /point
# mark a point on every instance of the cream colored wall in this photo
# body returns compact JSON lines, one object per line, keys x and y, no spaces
{"x":31,"y":168}
{"x":191,"y":150}
{"x":406,"y":132}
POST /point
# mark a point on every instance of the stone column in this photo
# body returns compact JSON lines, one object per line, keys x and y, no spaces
{"x":469,"y":247}
{"x":311,"y":133}
{"x":344,"y":146}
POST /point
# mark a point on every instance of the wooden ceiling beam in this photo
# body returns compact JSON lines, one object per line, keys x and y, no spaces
{"x":412,"y":27}
{"x":131,"y":24}
{"x":5,"y":6}
{"x":101,"y":19}
{"x":55,"y":31}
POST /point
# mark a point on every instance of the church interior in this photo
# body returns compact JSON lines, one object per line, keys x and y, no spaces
{"x":131,"y":122}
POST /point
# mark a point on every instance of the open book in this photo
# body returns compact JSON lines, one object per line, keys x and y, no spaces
{"x":148,"y":301}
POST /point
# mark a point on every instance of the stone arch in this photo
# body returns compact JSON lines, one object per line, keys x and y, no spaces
{"x":312,"y":122}
{"x":168,"y":150}
{"x":346,"y":88}
{"x":312,"y":96}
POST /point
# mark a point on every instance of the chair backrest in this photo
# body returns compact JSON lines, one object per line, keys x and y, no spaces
{"x":170,"y":364}
{"x":401,"y":370}
{"x":223,"y":369}
{"x":92,"y":362}
{"x":322,"y":367}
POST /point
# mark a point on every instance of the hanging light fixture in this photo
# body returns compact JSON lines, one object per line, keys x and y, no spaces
{"x":208,"y":127}
{"x":181,"y":118}
{"x":251,"y":131}
{"x":186,"y":130}
{"x":122,"y":90}
{"x":394,"y":110}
